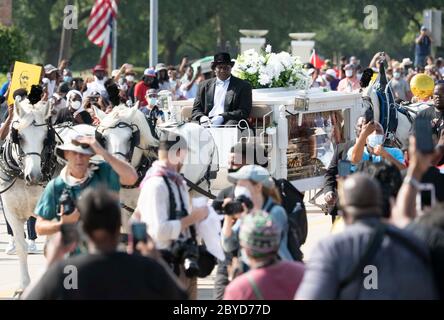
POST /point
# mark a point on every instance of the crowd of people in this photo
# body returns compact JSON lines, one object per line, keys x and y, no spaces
{"x":390,"y":248}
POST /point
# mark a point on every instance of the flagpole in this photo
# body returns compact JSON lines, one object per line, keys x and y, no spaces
{"x":154,"y":14}
{"x":114,"y":44}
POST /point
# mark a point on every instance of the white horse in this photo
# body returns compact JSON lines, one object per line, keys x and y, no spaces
{"x":21,"y":172}
{"x":126,"y":134}
{"x":405,"y":119}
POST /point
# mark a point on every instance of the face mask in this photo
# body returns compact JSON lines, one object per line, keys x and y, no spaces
{"x":348,"y":73}
{"x":359,"y":76}
{"x":153,"y":101}
{"x":8,"y":76}
{"x":397,"y":75}
{"x":75,"y":105}
{"x":375,"y":140}
{"x":242,"y":191}
{"x":67,"y":79}
{"x":129,"y":78}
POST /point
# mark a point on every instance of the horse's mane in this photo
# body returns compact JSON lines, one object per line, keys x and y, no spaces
{"x":122,"y":113}
{"x":36,"y":112}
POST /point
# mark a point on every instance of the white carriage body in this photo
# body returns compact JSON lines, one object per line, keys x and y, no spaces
{"x":274,"y":108}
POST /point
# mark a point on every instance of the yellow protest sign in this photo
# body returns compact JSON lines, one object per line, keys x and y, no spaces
{"x":24,"y":76}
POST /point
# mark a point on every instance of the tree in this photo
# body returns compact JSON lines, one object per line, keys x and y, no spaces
{"x":13,"y":47}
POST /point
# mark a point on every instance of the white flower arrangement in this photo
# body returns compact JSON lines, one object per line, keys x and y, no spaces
{"x":271,"y":70}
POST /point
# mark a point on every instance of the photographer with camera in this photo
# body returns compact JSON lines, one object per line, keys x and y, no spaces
{"x":58,"y":200}
{"x":103,"y":273}
{"x":163,"y":205}
{"x":255,"y":190}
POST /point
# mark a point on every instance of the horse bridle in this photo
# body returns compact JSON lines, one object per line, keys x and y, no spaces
{"x":48,"y":143}
{"x":15,"y":137}
{"x":134,"y":141}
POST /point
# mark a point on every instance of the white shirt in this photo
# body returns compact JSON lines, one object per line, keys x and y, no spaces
{"x":219,"y":97}
{"x":154,"y":207}
{"x":189,"y":94}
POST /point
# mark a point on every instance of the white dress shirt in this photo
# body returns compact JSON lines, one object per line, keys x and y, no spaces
{"x":219,"y":97}
{"x":154,"y":207}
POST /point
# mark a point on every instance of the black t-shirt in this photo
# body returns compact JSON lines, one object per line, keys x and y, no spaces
{"x":113,"y":276}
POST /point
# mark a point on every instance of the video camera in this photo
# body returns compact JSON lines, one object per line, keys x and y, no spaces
{"x":232,"y":207}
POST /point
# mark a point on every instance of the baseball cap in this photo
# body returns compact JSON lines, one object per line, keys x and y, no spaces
{"x":98,"y":68}
{"x":254,"y":173}
{"x":149,"y":72}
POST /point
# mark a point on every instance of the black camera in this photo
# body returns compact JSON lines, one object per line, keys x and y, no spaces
{"x":67,"y":202}
{"x":234,"y":206}
{"x":186,"y":252}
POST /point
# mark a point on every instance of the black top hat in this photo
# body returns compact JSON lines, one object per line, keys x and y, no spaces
{"x":221,"y":58}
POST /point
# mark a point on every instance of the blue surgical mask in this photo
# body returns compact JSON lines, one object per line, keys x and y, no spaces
{"x":67,"y":79}
{"x":374,"y":140}
{"x":153,"y":101}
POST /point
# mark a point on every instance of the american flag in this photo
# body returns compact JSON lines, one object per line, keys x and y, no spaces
{"x":100,"y":27}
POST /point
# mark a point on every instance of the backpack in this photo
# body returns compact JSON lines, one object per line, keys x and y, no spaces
{"x":293,"y":203}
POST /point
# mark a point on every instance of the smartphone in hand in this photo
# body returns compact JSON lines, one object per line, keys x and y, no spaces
{"x":424,"y":135}
{"x":138,"y":234}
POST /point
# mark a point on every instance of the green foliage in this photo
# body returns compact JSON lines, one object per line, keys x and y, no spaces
{"x":199,"y":28}
{"x":13,"y":47}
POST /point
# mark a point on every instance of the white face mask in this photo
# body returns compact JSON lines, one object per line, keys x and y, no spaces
{"x":129,"y":78}
{"x":359,"y":76}
{"x":374,"y":140}
{"x":242,"y":191}
{"x":75,"y":105}
{"x":397,"y":75}
{"x":348,"y":73}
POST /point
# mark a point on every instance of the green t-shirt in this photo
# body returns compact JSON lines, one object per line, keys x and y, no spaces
{"x":48,"y":204}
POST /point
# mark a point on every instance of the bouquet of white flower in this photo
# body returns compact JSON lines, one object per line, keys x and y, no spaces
{"x":271,"y":70}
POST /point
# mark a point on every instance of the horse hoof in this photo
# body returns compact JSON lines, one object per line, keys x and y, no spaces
{"x":17,"y":294}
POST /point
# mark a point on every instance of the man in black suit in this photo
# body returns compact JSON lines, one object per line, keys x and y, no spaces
{"x":224,"y":100}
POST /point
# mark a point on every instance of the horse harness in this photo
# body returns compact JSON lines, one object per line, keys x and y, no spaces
{"x":134,"y":141}
{"x":10,"y":169}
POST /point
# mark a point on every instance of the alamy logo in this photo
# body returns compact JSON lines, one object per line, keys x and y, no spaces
{"x":71,"y":280}
{"x":71,"y":17}
{"x":371,"y":19}
{"x":371,"y":280}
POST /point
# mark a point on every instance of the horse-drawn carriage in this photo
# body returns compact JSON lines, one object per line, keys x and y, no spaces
{"x":298,"y":128}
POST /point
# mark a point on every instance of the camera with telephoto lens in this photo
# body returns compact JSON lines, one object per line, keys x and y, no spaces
{"x":67,"y":202}
{"x":232,"y":207}
{"x":186,"y":252}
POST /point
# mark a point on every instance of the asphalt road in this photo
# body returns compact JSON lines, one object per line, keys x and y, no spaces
{"x":319,"y":227}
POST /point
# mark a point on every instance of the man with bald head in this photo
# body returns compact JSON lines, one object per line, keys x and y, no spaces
{"x":369,"y":259}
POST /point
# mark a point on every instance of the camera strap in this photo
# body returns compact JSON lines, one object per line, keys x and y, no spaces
{"x":172,"y":201}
